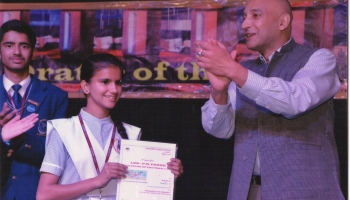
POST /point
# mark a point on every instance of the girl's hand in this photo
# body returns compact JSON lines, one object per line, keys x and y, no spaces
{"x":112,"y":170}
{"x":176,"y":167}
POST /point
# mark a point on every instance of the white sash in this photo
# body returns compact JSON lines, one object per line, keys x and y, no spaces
{"x":74,"y":140}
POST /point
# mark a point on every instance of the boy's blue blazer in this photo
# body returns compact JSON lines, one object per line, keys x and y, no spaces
{"x":20,"y":173}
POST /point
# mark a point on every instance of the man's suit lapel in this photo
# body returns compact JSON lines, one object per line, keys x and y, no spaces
{"x":36,"y":97}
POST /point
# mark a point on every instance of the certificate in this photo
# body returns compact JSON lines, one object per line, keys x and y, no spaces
{"x":148,"y":176}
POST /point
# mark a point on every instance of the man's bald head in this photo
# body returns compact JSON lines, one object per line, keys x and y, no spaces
{"x":286,"y":7}
{"x":267,"y":24}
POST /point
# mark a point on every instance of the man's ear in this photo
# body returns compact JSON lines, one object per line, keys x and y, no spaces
{"x":85,"y":87}
{"x":284,"y":21}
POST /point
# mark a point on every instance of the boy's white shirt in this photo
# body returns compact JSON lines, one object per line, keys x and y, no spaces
{"x":72,"y":136}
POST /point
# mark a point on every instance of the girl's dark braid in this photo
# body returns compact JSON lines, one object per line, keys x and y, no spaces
{"x":118,"y":123}
{"x":121,"y":129}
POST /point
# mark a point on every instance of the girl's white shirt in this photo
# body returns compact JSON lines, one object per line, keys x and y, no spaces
{"x":72,"y":136}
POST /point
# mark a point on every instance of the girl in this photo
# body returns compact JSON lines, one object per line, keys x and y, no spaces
{"x":70,"y":168}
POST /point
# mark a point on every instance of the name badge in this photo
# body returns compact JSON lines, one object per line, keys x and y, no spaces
{"x":33,"y":102}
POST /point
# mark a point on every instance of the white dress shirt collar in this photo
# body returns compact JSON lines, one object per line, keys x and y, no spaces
{"x":8,"y":85}
{"x":270,"y":57}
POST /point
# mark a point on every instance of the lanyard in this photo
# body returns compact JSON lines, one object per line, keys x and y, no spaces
{"x":20,"y":110}
{"x":90,"y":145}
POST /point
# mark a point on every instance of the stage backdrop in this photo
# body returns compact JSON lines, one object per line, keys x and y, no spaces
{"x":156,"y":39}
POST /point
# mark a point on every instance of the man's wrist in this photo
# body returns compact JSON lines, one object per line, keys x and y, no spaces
{"x":219,"y":97}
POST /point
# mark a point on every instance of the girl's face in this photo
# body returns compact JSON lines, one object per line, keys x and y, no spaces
{"x":103,"y":91}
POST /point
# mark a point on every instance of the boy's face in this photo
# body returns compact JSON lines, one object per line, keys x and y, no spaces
{"x":16,"y":51}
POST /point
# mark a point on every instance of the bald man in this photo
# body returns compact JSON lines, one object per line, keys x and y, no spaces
{"x":278,"y":108}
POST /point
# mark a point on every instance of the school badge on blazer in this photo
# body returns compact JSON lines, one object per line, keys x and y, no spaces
{"x":30,"y":108}
{"x":42,"y":127}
